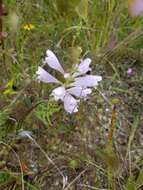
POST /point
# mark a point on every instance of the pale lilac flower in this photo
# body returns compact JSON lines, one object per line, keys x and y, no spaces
{"x":53,"y":62}
{"x":83,"y":67}
{"x":130,"y":71}
{"x":59,"y":93}
{"x":44,"y":76}
{"x":79,"y":92}
{"x":70,"y":103}
{"x":136,"y":7}
{"x":87,"y":81}
{"x":77,"y":83}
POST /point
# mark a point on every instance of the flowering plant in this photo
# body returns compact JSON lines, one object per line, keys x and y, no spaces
{"x":77,"y":85}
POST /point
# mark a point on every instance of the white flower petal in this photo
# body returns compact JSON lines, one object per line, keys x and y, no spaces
{"x":44,"y":76}
{"x":87,"y":81}
{"x":58,"y":93}
{"x":66,"y":75}
{"x":83,"y":67}
{"x":53,"y":61}
{"x":70,"y":104}
{"x":79,"y":92}
{"x":25,"y":133}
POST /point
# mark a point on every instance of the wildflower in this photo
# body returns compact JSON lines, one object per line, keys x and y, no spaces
{"x":77,"y":85}
{"x":136,"y":7}
{"x":130,"y":71}
{"x":28,"y":26}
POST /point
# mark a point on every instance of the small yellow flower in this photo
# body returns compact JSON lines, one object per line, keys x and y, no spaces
{"x":28,"y":26}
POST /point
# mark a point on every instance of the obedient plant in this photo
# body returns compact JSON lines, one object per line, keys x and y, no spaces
{"x":76,"y":86}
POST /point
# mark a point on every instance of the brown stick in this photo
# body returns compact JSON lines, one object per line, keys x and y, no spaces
{"x":112,"y":124}
{"x":2,"y":13}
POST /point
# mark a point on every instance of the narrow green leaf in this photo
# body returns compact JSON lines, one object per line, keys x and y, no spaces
{"x":130,"y":184}
{"x":139,"y":181}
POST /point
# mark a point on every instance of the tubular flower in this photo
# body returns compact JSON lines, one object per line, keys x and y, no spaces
{"x":78,"y":84}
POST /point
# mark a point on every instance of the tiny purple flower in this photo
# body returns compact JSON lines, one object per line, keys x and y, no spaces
{"x":136,"y":8}
{"x":130,"y":71}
